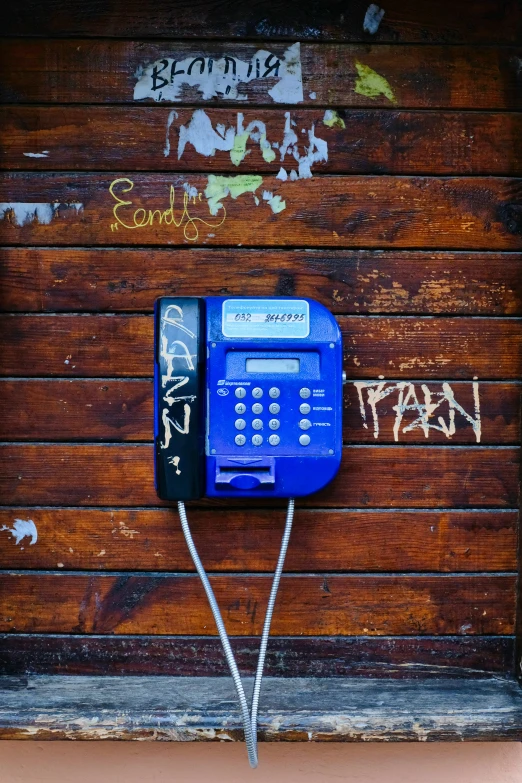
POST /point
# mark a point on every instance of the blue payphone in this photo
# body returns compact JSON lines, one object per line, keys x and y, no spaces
{"x":248,"y":404}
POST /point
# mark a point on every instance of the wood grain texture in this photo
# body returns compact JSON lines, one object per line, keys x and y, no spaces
{"x":122,"y":410}
{"x":307,"y":605}
{"x":239,"y":540}
{"x":303,"y":709}
{"x":362,"y":281}
{"x":397,"y":347}
{"x":487,"y":21}
{"x":369,"y":656}
{"x":375,"y":211}
{"x":372,"y":141}
{"x":99,"y":71}
{"x":416,"y":477}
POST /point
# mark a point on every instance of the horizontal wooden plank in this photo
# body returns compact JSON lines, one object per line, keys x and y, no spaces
{"x":403,"y":21}
{"x":341,"y":656}
{"x":457,"y":213}
{"x":397,"y":347}
{"x":122,"y":410}
{"x":304,"y":709}
{"x":99,"y":71}
{"x":346,"y":281}
{"x":307,"y":605}
{"x":359,"y":141}
{"x":415,"y":477}
{"x":232,"y":540}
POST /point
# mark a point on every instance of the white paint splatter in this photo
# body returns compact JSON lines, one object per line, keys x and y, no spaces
{"x":163,"y":80}
{"x":190,"y":190}
{"x":282,"y":175}
{"x":312,"y":96}
{"x":43,"y":154}
{"x":22,"y":528}
{"x":22,"y":213}
{"x":372,"y":18}
{"x":409,"y":401}
{"x":173,"y":115}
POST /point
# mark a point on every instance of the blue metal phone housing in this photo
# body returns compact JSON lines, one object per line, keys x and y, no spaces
{"x":288,"y":468}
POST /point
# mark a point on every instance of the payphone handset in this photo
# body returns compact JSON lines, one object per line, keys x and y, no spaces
{"x":248,"y":404}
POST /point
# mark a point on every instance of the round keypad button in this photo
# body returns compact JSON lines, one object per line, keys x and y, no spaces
{"x":274,"y":392}
{"x":273,"y":424}
{"x":257,"y":440}
{"x":257,"y":392}
{"x":257,"y":424}
{"x":274,"y":407}
{"x":303,"y":408}
{"x":304,"y":393}
{"x":240,"y":424}
{"x":274,"y":440}
{"x":305,"y":424}
{"x":241,"y":408}
{"x":240,"y":440}
{"x":240,"y":392}
{"x":304,"y":440}
{"x":257,"y":408}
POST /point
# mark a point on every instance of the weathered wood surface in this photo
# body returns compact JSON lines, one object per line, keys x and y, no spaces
{"x":371,"y":141}
{"x":398,"y":347}
{"x":346,"y":281}
{"x":248,"y":540}
{"x":367,"y":656}
{"x":122,"y":475}
{"x":99,"y":71}
{"x":300,"y":709}
{"x":122,"y":410}
{"x":487,"y":21}
{"x":308,"y":605}
{"x":409,"y":212}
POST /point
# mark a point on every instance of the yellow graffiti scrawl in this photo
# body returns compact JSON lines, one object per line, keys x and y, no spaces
{"x":129,"y":218}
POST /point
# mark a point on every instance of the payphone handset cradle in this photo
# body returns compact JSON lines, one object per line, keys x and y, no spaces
{"x":248,"y":404}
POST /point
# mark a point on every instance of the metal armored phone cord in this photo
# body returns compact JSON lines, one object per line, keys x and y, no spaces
{"x":249,"y":719}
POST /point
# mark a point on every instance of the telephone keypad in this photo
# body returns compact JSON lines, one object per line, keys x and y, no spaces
{"x":257,"y":408}
{"x":274,"y":392}
{"x":240,"y":392}
{"x":274,"y":424}
{"x":274,"y":407}
{"x":257,"y":440}
{"x":274,"y":440}
{"x":257,"y":392}
{"x":240,"y":408}
{"x":240,"y":440}
{"x":240,"y":424}
{"x":257,"y":424}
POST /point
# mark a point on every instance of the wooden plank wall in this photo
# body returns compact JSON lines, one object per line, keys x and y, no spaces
{"x":376,"y":170}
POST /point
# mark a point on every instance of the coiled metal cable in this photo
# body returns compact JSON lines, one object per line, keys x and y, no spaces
{"x":249,"y":718}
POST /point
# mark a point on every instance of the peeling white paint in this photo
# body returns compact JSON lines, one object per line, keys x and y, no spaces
{"x":164,"y":79}
{"x":22,"y":213}
{"x":282,"y":174}
{"x":407,"y":400}
{"x":43,"y":154}
{"x":22,"y":528}
{"x":173,"y":115}
{"x":312,"y":96}
{"x":372,"y":18}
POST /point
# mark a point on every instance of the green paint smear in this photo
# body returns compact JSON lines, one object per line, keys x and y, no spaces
{"x":371,"y":84}
{"x":266,"y":150}
{"x":238,"y":151}
{"x":332,"y":120}
{"x":277,"y":204}
{"x":219,"y":188}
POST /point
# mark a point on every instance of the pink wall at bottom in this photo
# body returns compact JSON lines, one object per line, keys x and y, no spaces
{"x":156,"y":762}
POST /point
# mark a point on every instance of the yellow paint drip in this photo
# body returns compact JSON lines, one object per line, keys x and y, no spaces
{"x":371,"y":84}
